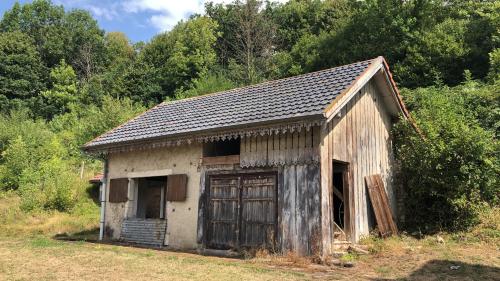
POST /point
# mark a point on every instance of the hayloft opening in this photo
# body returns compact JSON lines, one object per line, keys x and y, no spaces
{"x":222,"y":148}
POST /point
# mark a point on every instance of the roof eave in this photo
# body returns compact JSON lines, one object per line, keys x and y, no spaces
{"x":88,"y":148}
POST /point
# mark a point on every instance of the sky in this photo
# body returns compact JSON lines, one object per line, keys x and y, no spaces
{"x":139,"y":19}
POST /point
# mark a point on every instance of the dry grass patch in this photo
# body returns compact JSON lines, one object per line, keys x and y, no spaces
{"x":46,"y":259}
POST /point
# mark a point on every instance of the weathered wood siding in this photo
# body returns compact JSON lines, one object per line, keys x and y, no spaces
{"x":297,"y":157}
{"x":294,"y":159}
{"x":299,"y":209}
{"x":361,"y":137}
{"x":282,"y":149}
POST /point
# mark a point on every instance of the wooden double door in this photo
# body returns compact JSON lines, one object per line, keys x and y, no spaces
{"x":242,"y":210}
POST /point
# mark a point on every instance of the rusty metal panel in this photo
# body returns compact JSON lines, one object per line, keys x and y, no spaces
{"x":118,"y":190}
{"x":176,"y":187}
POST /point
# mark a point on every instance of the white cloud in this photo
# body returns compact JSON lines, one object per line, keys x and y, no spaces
{"x":166,"y":13}
{"x":106,"y":10}
{"x":163,"y":14}
{"x":108,"y":13}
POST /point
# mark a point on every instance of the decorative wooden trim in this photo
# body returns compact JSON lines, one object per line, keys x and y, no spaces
{"x":274,"y":129}
{"x":221,"y":160}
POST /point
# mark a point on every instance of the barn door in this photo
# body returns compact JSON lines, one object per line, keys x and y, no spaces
{"x":241,"y":211}
{"x":258,"y":214}
{"x":223,"y":212}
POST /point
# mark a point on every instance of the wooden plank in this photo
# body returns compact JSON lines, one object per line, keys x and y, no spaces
{"x":380,"y":205}
{"x":300,"y":211}
{"x":258,"y":216}
{"x":223,"y":214}
{"x":314,"y":208}
{"x":377,"y":208}
{"x":202,"y":211}
{"x":385,"y":203}
{"x":221,"y":160}
{"x":279,"y":209}
{"x":348,"y":180}
{"x":355,"y":168}
{"x":282,"y":149}
{"x":289,"y":219}
{"x":326,"y":208}
{"x":286,"y":210}
{"x":365,"y":162}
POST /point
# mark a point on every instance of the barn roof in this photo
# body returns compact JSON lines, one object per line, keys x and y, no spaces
{"x":298,"y":97}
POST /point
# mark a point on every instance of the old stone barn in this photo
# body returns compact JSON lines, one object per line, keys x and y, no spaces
{"x":279,"y":164}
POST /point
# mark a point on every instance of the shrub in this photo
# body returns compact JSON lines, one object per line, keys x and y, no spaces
{"x":50,"y":187}
{"x":451,"y":172}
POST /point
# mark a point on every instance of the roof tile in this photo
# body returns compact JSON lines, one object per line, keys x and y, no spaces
{"x":299,"y":96}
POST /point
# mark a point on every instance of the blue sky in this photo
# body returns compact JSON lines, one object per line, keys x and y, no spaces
{"x":139,"y":19}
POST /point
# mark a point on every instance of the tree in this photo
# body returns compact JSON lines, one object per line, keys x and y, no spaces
{"x":86,"y":50}
{"x":298,"y":18}
{"x":64,"y":90}
{"x":119,"y":49}
{"x":248,"y":37}
{"x":180,"y":55}
{"x":494,"y":73}
{"x":21,"y":71}
{"x":44,"y":23}
{"x":73,"y":36}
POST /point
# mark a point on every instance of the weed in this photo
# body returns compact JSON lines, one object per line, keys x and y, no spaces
{"x":349,"y":257}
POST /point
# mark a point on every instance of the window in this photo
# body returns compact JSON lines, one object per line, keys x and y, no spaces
{"x":222,"y":148}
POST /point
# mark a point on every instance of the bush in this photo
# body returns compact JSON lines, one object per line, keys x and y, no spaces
{"x":40,"y":160}
{"x":451,"y":172}
{"x":50,"y":187}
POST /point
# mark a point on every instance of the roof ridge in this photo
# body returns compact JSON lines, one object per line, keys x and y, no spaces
{"x":264,"y":83}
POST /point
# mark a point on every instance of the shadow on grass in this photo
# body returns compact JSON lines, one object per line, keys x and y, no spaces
{"x":451,"y":270}
{"x":90,"y":235}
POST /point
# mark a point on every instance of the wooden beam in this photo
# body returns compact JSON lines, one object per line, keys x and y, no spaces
{"x":221,"y":160}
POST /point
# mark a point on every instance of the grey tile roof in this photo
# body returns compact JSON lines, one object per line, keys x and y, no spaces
{"x":305,"y":95}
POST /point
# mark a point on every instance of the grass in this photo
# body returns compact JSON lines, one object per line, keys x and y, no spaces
{"x":31,"y":248}
{"x":14,"y":222}
{"x":46,"y":259}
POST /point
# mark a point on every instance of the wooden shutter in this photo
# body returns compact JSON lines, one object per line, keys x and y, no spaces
{"x":118,"y":190}
{"x":176,"y":187}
